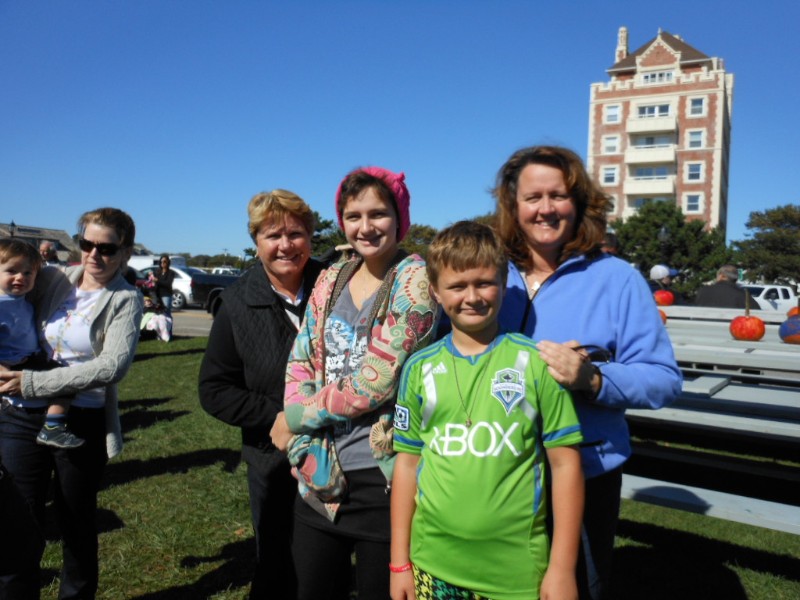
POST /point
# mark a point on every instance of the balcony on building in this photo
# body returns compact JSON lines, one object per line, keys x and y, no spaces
{"x":656,"y":185}
{"x":652,"y":124}
{"x":657,"y":153}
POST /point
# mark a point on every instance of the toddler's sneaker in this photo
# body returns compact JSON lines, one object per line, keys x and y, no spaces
{"x":59,"y":437}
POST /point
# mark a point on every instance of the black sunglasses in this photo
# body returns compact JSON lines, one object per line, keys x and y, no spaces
{"x":103,"y":249}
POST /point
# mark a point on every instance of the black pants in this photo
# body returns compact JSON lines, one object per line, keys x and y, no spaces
{"x":600,"y":517}
{"x":322,"y":550}
{"x":272,"y":494}
{"x":77,"y":479}
{"x":22,"y":541}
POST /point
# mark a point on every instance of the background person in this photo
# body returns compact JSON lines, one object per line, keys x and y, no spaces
{"x":155,"y":324}
{"x":724,"y":293}
{"x":565,"y":293}
{"x":365,"y":316}
{"x":662,"y":278}
{"x":91,"y":321}
{"x":163,"y":278}
{"x":244,"y":367}
{"x":47,"y":250}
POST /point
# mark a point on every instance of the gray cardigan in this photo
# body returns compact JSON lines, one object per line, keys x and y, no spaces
{"x":114,"y":335}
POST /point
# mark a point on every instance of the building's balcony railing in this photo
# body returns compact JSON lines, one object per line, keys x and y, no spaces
{"x":651,"y":124}
{"x":664,"y":153}
{"x":657,"y":185}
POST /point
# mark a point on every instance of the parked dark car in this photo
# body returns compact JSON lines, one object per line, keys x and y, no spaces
{"x":206,"y":288}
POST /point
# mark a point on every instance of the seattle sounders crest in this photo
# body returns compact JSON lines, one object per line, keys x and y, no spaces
{"x":508,"y":386}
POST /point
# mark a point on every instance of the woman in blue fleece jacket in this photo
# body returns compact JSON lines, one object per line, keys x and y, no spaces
{"x":566,"y":294}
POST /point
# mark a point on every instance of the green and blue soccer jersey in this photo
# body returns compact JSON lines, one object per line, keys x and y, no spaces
{"x":480,"y":424}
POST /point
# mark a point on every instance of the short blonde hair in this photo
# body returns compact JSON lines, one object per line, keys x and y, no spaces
{"x":465,"y":245}
{"x":272,"y":207}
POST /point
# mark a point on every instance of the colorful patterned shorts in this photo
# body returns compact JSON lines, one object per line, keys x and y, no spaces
{"x":427,"y":587}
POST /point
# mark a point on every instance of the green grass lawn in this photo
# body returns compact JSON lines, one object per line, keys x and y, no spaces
{"x":174,"y":516}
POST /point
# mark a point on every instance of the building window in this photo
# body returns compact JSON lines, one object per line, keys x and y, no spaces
{"x":697,"y":107}
{"x":695,"y":138}
{"x":637,"y":203}
{"x":693,"y":203}
{"x":657,"y":77}
{"x":653,"y":110}
{"x":610,"y":144}
{"x":612,"y":113}
{"x":612,"y":204}
{"x":653,"y":141}
{"x":694,"y":172}
{"x":610,"y":175}
{"x":654,"y":172}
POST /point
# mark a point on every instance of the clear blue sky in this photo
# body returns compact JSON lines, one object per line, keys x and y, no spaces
{"x":179,"y":111}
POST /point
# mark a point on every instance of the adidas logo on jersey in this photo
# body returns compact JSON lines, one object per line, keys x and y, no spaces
{"x":439,"y":369}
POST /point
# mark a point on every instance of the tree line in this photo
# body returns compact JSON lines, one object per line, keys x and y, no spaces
{"x":658,"y":233}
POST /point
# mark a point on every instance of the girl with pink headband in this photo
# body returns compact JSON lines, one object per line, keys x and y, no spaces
{"x":366,"y":315}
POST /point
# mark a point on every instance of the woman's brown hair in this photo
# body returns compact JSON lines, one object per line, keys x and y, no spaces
{"x":591,"y":204}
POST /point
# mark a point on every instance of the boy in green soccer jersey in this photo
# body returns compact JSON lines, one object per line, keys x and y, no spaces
{"x":477,"y":415}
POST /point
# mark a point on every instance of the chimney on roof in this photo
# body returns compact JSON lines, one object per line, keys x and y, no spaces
{"x":622,"y":44}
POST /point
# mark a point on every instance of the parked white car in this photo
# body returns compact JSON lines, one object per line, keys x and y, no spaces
{"x":225,"y":270}
{"x":143,"y":261}
{"x":181,"y":286}
{"x":772,"y":297}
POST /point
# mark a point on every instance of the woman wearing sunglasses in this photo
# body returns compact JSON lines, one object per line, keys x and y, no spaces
{"x":90,"y":322}
{"x":164,"y":278}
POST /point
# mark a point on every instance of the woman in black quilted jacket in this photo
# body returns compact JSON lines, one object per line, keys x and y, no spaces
{"x":242,"y":374}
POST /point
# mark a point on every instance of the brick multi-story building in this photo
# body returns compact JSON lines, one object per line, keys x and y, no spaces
{"x":660,"y":129}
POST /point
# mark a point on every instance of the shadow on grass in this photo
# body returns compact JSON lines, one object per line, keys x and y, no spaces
{"x":143,"y":418}
{"x":678,"y":564}
{"x":235,"y":572}
{"x":144,"y":403}
{"x":150,"y":355}
{"x":126,"y":471}
{"x":106,"y":520}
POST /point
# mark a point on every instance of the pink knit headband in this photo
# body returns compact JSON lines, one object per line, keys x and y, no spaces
{"x":396,"y":184}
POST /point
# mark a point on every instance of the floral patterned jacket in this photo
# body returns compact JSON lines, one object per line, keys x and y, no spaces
{"x":404,"y":324}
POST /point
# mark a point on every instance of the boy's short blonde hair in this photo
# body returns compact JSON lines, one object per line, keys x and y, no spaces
{"x":16,"y":248}
{"x":466,"y":245}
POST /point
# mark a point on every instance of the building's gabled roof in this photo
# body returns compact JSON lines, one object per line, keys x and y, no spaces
{"x":688,"y":53}
{"x":34,"y":235}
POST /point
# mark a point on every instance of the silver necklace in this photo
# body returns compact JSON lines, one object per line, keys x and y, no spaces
{"x":533,"y":288}
{"x":467,"y":411}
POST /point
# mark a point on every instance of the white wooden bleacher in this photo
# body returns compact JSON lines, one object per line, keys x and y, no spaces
{"x":751,"y":511}
{"x":740,"y":390}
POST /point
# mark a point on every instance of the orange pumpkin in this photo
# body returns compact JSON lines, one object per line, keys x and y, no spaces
{"x":664,"y":297}
{"x":747,"y":328}
{"x":663,"y":316}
